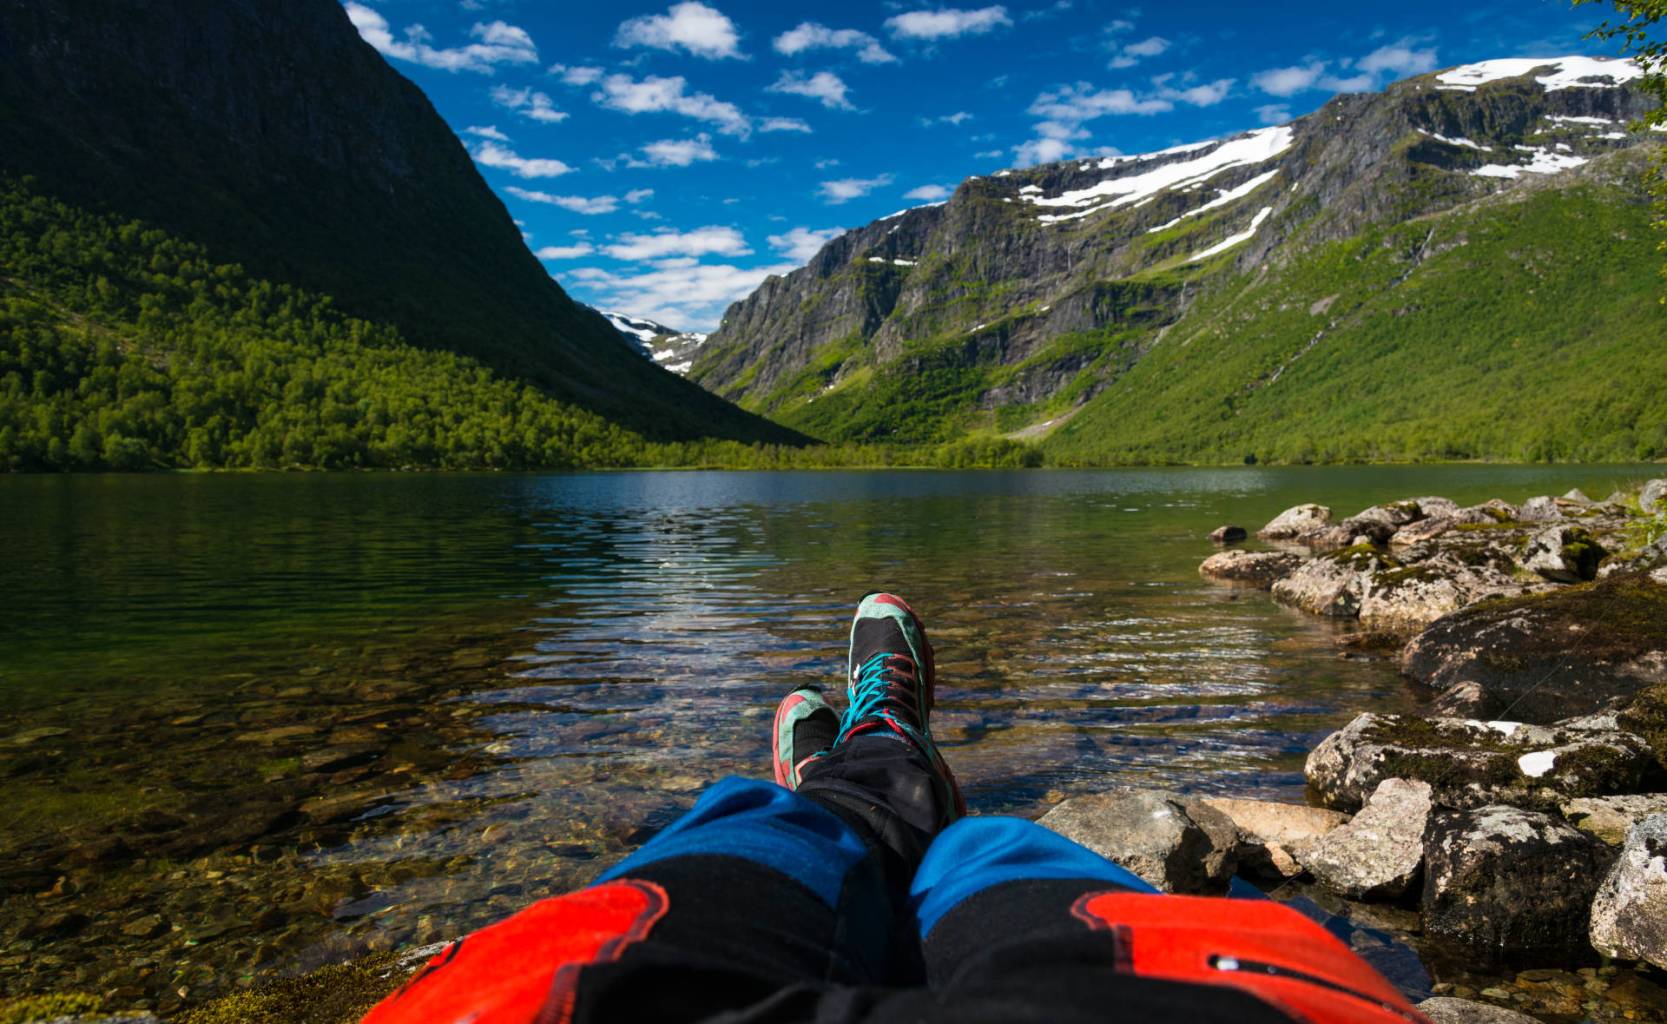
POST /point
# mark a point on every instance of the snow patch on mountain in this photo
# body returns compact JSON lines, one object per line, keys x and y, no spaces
{"x":1566,"y":73}
{"x":672,"y":349}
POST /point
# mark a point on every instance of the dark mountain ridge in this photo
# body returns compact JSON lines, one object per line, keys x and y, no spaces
{"x":270,"y":132}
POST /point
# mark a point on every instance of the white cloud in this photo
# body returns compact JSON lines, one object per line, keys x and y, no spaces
{"x":693,"y":296}
{"x":680,"y":152}
{"x":783,"y":124}
{"x":692,"y":26}
{"x":988,"y":154}
{"x":576,"y":74}
{"x":1206,"y":94}
{"x":811,"y":36}
{"x":957,"y":118}
{"x":1041,"y":151}
{"x":707,"y":241}
{"x":947,"y":23}
{"x":495,"y":43}
{"x":529,"y":103}
{"x":843,"y":190}
{"x":1288,"y":81}
{"x":638,"y":195}
{"x":1400,"y":58}
{"x":927,"y":193}
{"x":655,"y":94}
{"x":1274,"y":113}
{"x":490,"y":154}
{"x":1133,"y":53}
{"x":489,"y":131}
{"x":800,"y":244}
{"x":565,"y":252}
{"x":587,"y":205}
{"x":824,"y":85}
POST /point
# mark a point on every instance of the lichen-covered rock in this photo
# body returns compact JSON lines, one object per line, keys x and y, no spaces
{"x":1610,"y":817}
{"x":1332,"y":584}
{"x":1470,"y":763}
{"x":1563,"y":554}
{"x":1629,"y":915}
{"x":1653,"y":498}
{"x":1269,"y":832}
{"x":1423,"y":530}
{"x":1451,"y":1010}
{"x":1571,"y":651}
{"x":1410,"y":597}
{"x":1297,"y":522}
{"x":1253,"y":568}
{"x":1380,"y":522}
{"x":1542,"y":509}
{"x":1176,"y":843}
{"x":1377,"y":854}
{"x":1228,"y":534}
{"x":1507,"y":885}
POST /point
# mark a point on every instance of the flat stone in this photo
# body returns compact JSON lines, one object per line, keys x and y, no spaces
{"x":278,"y":734}
{"x":1503,"y":885}
{"x":1375,"y":855}
{"x":1629,"y":915}
{"x":1611,"y":817}
{"x":1296,"y":522}
{"x":1450,"y":1010}
{"x":1252,"y":568}
{"x":1175,"y":843}
{"x":147,"y":927}
{"x":1471,"y":763}
{"x":1269,"y":832}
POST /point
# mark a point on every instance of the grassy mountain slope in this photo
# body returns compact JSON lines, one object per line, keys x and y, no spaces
{"x":269,"y":132}
{"x":1526,"y":327}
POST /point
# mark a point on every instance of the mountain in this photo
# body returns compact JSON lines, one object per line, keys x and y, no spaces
{"x":1459,"y":266}
{"x":670,"y":348}
{"x":270,"y":133}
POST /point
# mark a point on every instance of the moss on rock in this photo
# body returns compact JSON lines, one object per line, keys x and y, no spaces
{"x":338,"y":994}
{"x":25,"y":1009}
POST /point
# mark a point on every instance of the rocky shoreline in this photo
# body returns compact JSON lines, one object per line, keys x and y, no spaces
{"x":1519,"y":822}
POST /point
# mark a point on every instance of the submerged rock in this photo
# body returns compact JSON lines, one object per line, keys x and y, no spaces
{"x":1572,"y":651}
{"x":1470,"y":763}
{"x":1629,"y":915}
{"x":1269,"y":832}
{"x":1377,"y":854}
{"x":1610,"y":817}
{"x":1173,"y":842}
{"x":1257,"y":568}
{"x":1506,"y":885}
{"x":1449,"y":1010}
{"x":1295,"y":523}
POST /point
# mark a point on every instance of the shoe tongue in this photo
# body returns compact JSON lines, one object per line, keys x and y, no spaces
{"x":877,"y":636}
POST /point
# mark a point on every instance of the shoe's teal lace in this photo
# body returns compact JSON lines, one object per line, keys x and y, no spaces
{"x":868,"y":696}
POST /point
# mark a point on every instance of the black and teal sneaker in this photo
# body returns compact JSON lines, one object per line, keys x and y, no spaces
{"x":805,"y":728}
{"x":890,"y":678}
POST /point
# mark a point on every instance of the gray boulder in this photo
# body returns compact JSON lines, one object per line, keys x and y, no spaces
{"x":1377,"y":854}
{"x":1297,"y":522}
{"x":1174,"y":842}
{"x":1502,"y":884}
{"x":1424,"y":530}
{"x":1470,"y":763}
{"x":1611,"y":817}
{"x":1332,"y":584}
{"x":1251,"y":568}
{"x":1629,"y":915}
{"x":1450,"y":1010}
{"x":1542,"y":509}
{"x":1270,"y":832}
{"x":1408,"y":598}
{"x":1573,"y":651}
{"x":1563,"y":554}
{"x":1653,"y":498}
{"x":1228,"y":534}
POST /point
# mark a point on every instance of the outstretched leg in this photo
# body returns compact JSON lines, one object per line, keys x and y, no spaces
{"x":756,"y":901}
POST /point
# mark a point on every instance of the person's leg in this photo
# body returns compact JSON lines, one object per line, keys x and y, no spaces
{"x":760,"y":895}
{"x":1004,"y":906}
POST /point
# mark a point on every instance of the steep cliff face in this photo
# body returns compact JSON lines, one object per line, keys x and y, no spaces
{"x":267,"y":130}
{"x":1031,"y":291}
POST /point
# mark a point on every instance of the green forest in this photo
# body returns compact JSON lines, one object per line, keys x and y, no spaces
{"x":124,"y":348}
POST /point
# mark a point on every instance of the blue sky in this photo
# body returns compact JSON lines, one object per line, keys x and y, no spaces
{"x":664,"y":158}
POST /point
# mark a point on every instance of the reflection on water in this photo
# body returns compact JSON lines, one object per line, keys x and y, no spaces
{"x":260,"y":722}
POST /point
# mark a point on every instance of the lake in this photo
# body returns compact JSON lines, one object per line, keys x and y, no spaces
{"x":257,"y":723}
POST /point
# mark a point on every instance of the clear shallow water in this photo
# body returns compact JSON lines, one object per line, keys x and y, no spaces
{"x":254,"y":723}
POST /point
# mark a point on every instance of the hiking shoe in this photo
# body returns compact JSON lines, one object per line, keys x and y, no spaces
{"x":890,"y":677}
{"x":805,"y":727}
